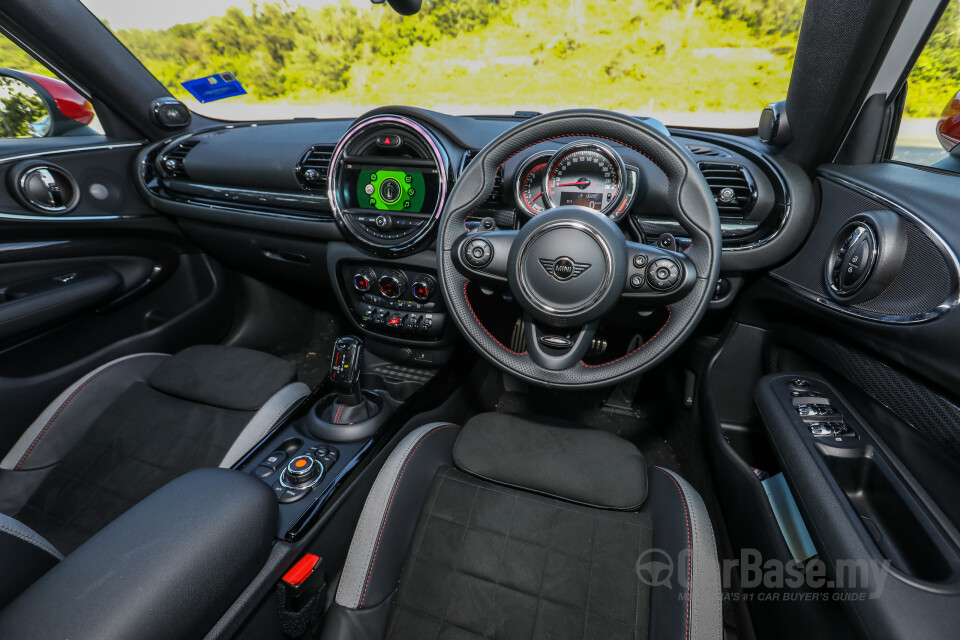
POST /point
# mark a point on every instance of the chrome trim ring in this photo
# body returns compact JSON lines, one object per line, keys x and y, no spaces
{"x":319,"y":477}
{"x":861,"y":228}
{"x":607,"y":274}
{"x":603,"y":150}
{"x":405,"y":244}
{"x":55,"y":152}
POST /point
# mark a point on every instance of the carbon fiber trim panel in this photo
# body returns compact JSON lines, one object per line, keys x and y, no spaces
{"x":923,"y":283}
{"x":932,"y":415}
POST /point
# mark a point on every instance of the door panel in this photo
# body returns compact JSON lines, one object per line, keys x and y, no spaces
{"x":109,"y":278}
{"x":891,"y":364}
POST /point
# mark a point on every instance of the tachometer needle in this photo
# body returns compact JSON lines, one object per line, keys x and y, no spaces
{"x":536,"y":197}
{"x":580,"y":183}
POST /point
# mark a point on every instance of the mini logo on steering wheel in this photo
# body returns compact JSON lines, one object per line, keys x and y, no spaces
{"x":564,"y":268}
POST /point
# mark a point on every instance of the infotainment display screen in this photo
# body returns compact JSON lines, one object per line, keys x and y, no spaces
{"x":400,"y":189}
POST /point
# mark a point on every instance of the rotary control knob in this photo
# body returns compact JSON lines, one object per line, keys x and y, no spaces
{"x":663,"y":274}
{"x":423,"y":287}
{"x":392,"y":284}
{"x":363,"y":279}
{"x":302,"y":471}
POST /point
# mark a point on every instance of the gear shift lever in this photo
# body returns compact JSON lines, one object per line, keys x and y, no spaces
{"x":345,"y":370}
{"x":350,"y":405}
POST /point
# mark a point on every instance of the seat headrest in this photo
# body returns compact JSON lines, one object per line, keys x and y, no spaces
{"x":557,"y":459}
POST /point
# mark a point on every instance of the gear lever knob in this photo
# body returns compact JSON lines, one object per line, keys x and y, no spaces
{"x":345,"y":369}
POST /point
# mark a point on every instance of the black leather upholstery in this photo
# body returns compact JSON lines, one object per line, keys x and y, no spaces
{"x":168,"y":568}
{"x":486,"y":560}
{"x":24,"y":556}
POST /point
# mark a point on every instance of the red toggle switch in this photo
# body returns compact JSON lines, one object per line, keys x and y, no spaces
{"x":299,"y":572}
{"x":394,"y":321}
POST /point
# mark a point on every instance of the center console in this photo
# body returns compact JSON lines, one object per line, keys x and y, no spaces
{"x":310,"y":455}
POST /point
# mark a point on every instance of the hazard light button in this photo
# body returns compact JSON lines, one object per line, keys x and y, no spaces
{"x":389,"y":141}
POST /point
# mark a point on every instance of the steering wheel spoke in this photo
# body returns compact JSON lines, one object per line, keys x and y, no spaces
{"x":557,"y":348}
{"x":657,"y":276}
{"x":482,"y":257}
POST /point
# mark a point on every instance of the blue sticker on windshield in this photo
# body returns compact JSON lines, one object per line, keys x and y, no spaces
{"x":215,"y":87}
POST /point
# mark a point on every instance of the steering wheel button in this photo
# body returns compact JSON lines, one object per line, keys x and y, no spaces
{"x":478,"y":253}
{"x":639,"y":261}
{"x":663,"y":274}
{"x":636,"y":281}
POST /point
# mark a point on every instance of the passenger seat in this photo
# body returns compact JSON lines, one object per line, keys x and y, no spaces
{"x":132,"y":425}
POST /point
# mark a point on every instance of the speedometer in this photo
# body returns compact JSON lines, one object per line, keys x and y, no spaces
{"x":588,"y":174}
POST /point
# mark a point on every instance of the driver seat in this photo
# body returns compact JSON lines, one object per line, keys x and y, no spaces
{"x":519,"y":527}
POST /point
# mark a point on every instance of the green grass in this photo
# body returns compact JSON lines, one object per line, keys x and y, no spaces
{"x":637,"y":56}
{"x":629,"y":55}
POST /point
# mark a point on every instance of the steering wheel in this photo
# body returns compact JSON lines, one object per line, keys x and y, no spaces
{"x":568,"y":267}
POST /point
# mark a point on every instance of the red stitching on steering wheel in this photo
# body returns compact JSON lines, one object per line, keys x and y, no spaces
{"x":533,"y":144}
{"x":474,"y":313}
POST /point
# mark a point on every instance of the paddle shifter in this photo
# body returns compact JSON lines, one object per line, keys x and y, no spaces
{"x":350,"y":404}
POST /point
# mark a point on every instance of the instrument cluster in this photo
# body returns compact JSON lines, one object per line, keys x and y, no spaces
{"x":585,"y":173}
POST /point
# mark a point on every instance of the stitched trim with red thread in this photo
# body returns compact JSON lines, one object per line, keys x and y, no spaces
{"x":73,"y":395}
{"x":336,"y":418}
{"x":569,"y":135}
{"x":533,"y":144}
{"x":686,"y":517}
{"x":649,"y":340}
{"x":474,"y":314}
{"x":383,"y":523}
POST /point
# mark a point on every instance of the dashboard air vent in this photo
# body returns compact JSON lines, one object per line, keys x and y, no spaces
{"x":732,"y":186}
{"x":314,"y":166}
{"x":172,"y":160}
{"x":704,"y":150}
{"x":496,"y":196}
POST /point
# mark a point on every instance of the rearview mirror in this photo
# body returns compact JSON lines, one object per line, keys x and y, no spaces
{"x":403,"y":7}
{"x":35,"y":106}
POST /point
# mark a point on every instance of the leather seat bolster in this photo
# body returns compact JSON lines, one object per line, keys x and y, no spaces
{"x":683,"y":540}
{"x":275,"y":409}
{"x":24,"y":556}
{"x":390,"y":514}
{"x":63,"y":423}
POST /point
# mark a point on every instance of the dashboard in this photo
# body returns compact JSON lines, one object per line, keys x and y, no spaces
{"x":355,"y":203}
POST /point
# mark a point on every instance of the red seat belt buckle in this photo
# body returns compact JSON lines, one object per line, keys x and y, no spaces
{"x":302,"y":570}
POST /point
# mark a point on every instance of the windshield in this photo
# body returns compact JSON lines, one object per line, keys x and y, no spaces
{"x":709,"y":63}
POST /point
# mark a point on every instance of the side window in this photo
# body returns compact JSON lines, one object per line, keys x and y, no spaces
{"x":34,"y":103}
{"x":930,"y":129}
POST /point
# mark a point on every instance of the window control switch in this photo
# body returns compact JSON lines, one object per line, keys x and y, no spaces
{"x":820,"y":429}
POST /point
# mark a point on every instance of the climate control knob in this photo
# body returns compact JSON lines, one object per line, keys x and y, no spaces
{"x":392,"y":284}
{"x":423,"y":287}
{"x":363,"y":279}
